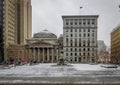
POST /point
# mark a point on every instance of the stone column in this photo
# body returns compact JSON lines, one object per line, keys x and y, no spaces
{"x":43,"y":55}
{"x":34,"y":52}
{"x":48,"y":54}
{"x":38,"y":55}
{"x":52,"y":56}
{"x":57,"y":54}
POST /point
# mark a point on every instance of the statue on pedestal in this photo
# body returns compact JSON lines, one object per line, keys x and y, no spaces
{"x":61,"y":60}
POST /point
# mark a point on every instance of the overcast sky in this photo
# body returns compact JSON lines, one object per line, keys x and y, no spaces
{"x":47,"y":14}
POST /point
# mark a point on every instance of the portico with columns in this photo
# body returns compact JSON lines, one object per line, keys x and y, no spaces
{"x":44,"y":47}
{"x":44,"y":52}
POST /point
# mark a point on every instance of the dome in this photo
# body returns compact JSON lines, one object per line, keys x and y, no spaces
{"x":44,"y":34}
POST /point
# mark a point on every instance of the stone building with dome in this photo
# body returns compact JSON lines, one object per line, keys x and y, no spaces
{"x":42,"y":47}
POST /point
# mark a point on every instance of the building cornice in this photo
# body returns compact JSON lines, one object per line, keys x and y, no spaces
{"x":69,"y":16}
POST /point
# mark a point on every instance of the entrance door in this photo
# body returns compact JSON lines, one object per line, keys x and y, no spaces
{"x":79,"y":59}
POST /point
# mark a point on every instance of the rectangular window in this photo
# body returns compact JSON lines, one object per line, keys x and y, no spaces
{"x":88,"y":30}
{"x":66,"y":49}
{"x":75,"y":35}
{"x":80,"y":54}
{"x":67,"y":22}
{"x":79,"y":35}
{"x":75,"y":21}
{"x":66,"y":30}
{"x":88,"y":35}
{"x":66,"y":39}
{"x":66,"y":54}
{"x":93,"y":34}
{"x":75,"y":49}
{"x":80,"y":21}
{"x":80,"y":49}
{"x":75,"y":30}
{"x":88,"y":21}
{"x":75,"y":58}
{"x":84,"y":35}
{"x":79,"y":30}
{"x":93,"y":21}
{"x":71,"y":22}
{"x":71,"y":49}
{"x":75,"y":54}
{"x":84,"y":30}
{"x":92,"y":49}
{"x":84,"y":21}
{"x":80,"y":44}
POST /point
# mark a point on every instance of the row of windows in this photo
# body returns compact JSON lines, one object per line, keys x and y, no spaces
{"x":83,"y":59}
{"x":80,"y":44}
{"x":79,"y":41}
{"x":80,"y":21}
{"x":79,"y":30}
{"x":80,"y":49}
{"x":80,"y":54}
{"x":80,"y":35}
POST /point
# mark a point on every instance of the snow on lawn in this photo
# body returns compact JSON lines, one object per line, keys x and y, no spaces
{"x":43,"y":70}
{"x":87,"y":67}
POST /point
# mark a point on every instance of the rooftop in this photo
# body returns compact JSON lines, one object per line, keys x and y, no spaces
{"x":66,"y":16}
{"x":44,"y":34}
{"x":115,"y":29}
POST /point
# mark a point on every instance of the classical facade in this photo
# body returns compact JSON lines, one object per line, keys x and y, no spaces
{"x":115,"y":45}
{"x":43,"y":47}
{"x":15,"y":23}
{"x":80,"y":38}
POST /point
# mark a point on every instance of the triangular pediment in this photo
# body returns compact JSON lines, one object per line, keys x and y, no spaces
{"x":40,"y":43}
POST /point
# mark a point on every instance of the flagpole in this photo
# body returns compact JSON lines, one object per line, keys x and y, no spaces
{"x":80,"y":10}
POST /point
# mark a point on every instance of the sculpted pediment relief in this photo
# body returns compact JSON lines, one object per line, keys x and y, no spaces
{"x":40,"y":43}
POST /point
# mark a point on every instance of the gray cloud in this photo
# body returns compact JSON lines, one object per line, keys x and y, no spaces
{"x":47,"y":14}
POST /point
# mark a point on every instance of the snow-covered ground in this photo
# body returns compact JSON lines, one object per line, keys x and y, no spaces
{"x":51,"y":70}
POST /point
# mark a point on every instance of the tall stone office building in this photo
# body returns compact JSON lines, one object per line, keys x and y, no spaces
{"x":80,"y":38}
{"x":1,"y":31}
{"x":16,"y":23}
{"x":24,"y":18}
{"x":115,"y":45}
